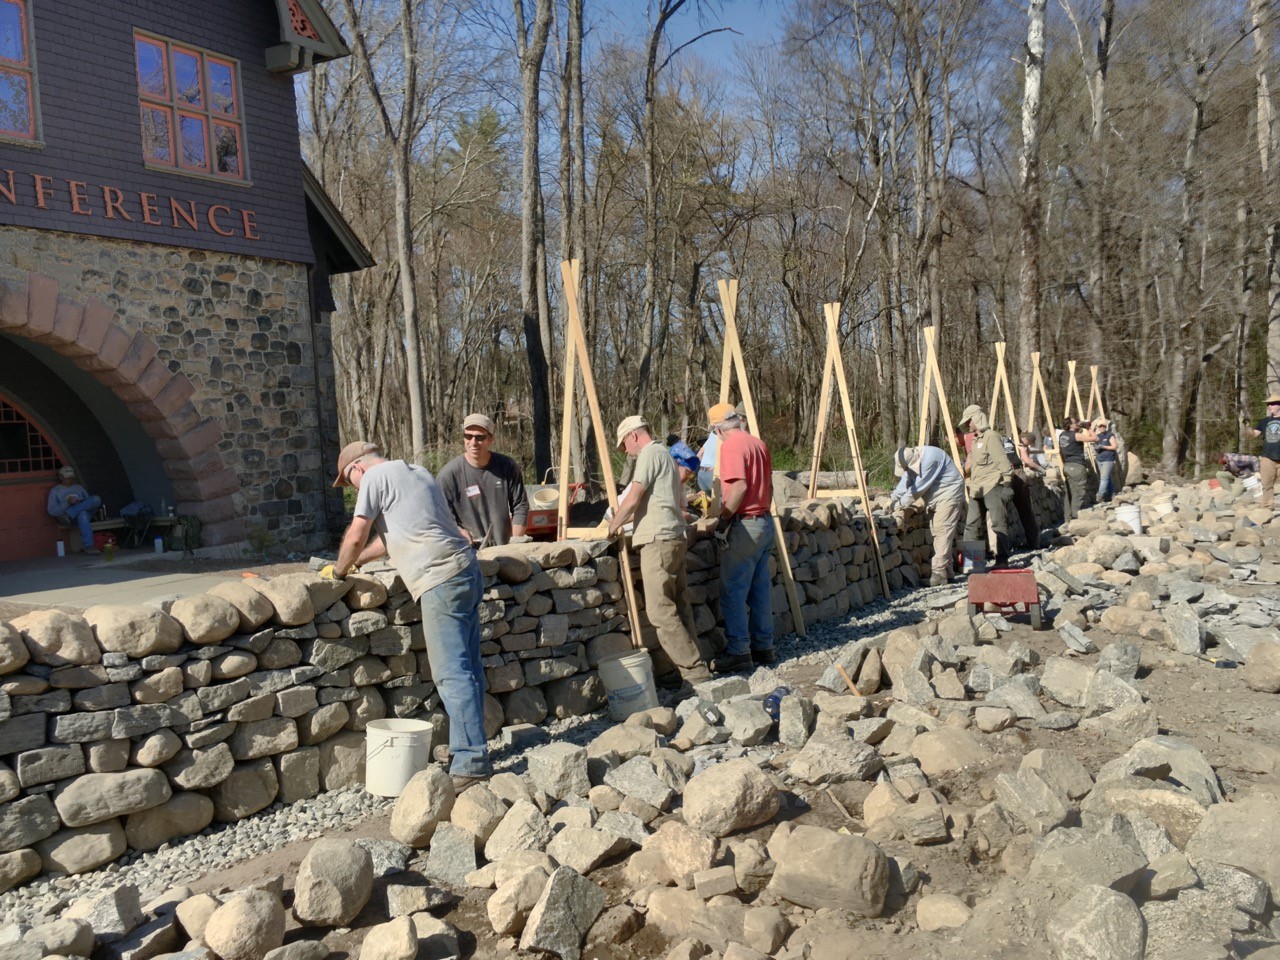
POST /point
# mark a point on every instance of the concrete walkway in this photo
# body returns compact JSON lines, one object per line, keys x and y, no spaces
{"x":79,"y":581}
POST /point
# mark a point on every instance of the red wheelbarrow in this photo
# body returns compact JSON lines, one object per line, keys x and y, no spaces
{"x":1007,"y":590}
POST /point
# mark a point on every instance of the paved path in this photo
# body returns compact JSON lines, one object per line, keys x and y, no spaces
{"x":79,"y":582}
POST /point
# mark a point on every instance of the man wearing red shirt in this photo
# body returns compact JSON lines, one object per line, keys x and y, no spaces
{"x":746,"y":533}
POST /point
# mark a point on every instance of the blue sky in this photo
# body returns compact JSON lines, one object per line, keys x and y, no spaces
{"x":757,"y":22}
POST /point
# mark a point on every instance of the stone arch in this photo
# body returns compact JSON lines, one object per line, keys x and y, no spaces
{"x":128,"y":364}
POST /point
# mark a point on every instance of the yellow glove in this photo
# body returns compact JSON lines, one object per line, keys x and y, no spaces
{"x":327,"y":572}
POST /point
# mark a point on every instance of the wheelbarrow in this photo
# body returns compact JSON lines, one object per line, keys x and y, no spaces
{"x":1010,"y":591}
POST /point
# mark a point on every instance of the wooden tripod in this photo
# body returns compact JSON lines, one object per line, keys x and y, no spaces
{"x":1095,"y":396}
{"x":732,"y":362}
{"x":576,"y":347}
{"x":1038,"y":392}
{"x":931,"y":385}
{"x":834,"y":364}
{"x":1000,"y":390}
{"x":1073,"y":392}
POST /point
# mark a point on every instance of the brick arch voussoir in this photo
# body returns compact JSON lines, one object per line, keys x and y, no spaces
{"x":129,"y":364}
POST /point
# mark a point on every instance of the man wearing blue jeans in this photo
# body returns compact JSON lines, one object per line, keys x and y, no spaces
{"x":746,"y":535}
{"x":69,"y":500}
{"x":401,"y":513}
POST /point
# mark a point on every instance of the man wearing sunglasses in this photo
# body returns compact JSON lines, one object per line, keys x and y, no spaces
{"x":401,"y":512}
{"x":485,"y":490}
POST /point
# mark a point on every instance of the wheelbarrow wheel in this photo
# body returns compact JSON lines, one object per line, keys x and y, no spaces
{"x":1037,"y":617}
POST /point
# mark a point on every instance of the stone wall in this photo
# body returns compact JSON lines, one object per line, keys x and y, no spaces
{"x":239,"y":330}
{"x":127,"y":727}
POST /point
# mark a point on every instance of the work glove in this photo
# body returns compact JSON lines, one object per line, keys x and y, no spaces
{"x":327,"y":572}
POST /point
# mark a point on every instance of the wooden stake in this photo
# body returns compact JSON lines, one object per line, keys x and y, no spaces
{"x":570,"y":272}
{"x":1095,"y":396}
{"x":1002,"y":388}
{"x":1073,"y":392}
{"x":566,"y":425}
{"x":733,"y":361}
{"x":834,"y":364}
{"x":1038,"y":392}
{"x":933,"y":382}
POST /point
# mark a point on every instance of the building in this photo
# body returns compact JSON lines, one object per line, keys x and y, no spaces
{"x":165,"y":258}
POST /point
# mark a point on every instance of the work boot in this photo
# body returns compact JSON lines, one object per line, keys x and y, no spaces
{"x":462,"y":783}
{"x":731,"y":663}
{"x":939,"y":580}
{"x":669,"y":680}
{"x":764,"y":658}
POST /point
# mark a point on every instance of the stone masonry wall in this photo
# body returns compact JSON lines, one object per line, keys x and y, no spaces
{"x":239,"y":328}
{"x":130,"y":726}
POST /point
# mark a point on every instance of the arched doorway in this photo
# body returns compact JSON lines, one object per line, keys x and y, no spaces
{"x":29,"y":459}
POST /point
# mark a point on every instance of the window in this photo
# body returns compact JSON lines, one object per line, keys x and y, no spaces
{"x":17,"y":72}
{"x":192,"y":117}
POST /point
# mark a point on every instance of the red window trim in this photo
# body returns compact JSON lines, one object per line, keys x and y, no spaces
{"x":206,"y":112}
{"x":164,"y":67}
{"x":23,"y":68}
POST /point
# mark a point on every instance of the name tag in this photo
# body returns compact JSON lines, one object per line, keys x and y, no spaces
{"x":473,"y":490}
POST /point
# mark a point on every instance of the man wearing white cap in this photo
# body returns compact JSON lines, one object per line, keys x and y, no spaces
{"x":70,"y":501}
{"x":989,"y":482}
{"x":485,"y":490}
{"x":400,"y":512}
{"x":656,"y":501}
{"x":1268,"y":429}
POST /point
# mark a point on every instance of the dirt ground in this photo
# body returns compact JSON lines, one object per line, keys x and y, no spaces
{"x":1237,"y":729}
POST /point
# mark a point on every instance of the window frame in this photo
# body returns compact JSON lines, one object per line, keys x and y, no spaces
{"x":26,"y":68}
{"x":206,"y":113}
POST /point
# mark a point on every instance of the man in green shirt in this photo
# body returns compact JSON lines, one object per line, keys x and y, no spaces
{"x":656,"y":502}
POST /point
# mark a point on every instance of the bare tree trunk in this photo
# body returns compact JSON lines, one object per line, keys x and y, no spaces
{"x":1262,"y":13}
{"x":532,"y":47}
{"x":1099,"y":279}
{"x":1031,"y":211}
{"x":1244,"y":301}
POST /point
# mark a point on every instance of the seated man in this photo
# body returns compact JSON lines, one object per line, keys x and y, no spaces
{"x":70,"y":502}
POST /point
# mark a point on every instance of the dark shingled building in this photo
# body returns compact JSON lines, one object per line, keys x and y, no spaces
{"x":165,"y":258}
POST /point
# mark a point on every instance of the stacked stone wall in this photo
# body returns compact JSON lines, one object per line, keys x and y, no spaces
{"x":129,"y":726}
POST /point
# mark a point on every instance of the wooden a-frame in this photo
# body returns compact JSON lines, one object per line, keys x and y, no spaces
{"x":1002,"y":390}
{"x":1073,"y":393}
{"x":931,"y":383}
{"x":1038,"y":392}
{"x":576,"y":356}
{"x":1095,"y":396}
{"x":732,"y":361}
{"x":834,"y":364}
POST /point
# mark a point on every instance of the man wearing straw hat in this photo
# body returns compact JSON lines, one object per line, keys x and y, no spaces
{"x":655,"y":500}
{"x":989,"y":472}
{"x":1269,"y":429}
{"x":746,"y":531}
{"x":401,"y":512}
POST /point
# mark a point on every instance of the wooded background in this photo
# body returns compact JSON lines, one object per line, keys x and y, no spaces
{"x":1094,"y":179}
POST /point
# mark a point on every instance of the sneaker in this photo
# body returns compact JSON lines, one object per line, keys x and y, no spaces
{"x":764,"y":658}
{"x":731,"y":663}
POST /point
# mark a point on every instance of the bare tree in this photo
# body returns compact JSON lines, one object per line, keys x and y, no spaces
{"x":1031,"y":210}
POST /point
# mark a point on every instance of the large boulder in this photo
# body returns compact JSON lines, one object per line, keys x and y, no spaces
{"x":821,"y":868}
{"x":289,"y":598}
{"x":252,"y":606}
{"x":672,"y":854}
{"x":728,"y":797}
{"x":1244,"y":833}
{"x":947,"y":750}
{"x":96,"y":797}
{"x":18,"y":866}
{"x":246,"y":927}
{"x":425,"y":802}
{"x":1098,"y":924}
{"x":560,"y":770}
{"x":57,"y":639}
{"x":81,"y":849}
{"x":561,"y":918}
{"x":1261,"y":672}
{"x":249,"y":787}
{"x":206,"y":618}
{"x":134,"y":630}
{"x":182,"y":815}
{"x":13,"y":652}
{"x":335,"y":880}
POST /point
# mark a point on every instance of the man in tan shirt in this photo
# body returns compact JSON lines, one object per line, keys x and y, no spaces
{"x":656,"y":502}
{"x":988,"y":472}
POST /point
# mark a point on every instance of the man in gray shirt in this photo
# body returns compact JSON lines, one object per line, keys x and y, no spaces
{"x":484,"y":489}
{"x":401,"y":512}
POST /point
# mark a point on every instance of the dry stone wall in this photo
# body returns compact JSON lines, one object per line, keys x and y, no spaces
{"x":128,"y":726}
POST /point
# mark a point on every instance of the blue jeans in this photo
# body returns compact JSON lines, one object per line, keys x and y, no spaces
{"x":706,"y":478}
{"x":82,"y":513}
{"x":451,"y":623}
{"x":1104,"y":479}
{"x":745,"y":583}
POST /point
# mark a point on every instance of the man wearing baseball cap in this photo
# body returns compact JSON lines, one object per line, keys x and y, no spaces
{"x":401,"y":512}
{"x":1268,"y":429}
{"x":485,"y":490}
{"x":655,"y":500}
{"x":70,"y":502}
{"x":745,"y":468}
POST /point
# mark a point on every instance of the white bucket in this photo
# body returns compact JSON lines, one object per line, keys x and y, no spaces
{"x":628,"y":683}
{"x":394,"y":751}
{"x":1163,"y":504}
{"x":1131,"y":514}
{"x":1253,"y":485}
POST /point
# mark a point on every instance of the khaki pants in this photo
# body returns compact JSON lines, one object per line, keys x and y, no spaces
{"x":1268,"y":470}
{"x":946,"y":515}
{"x":1076,"y":477}
{"x":666,"y":605}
